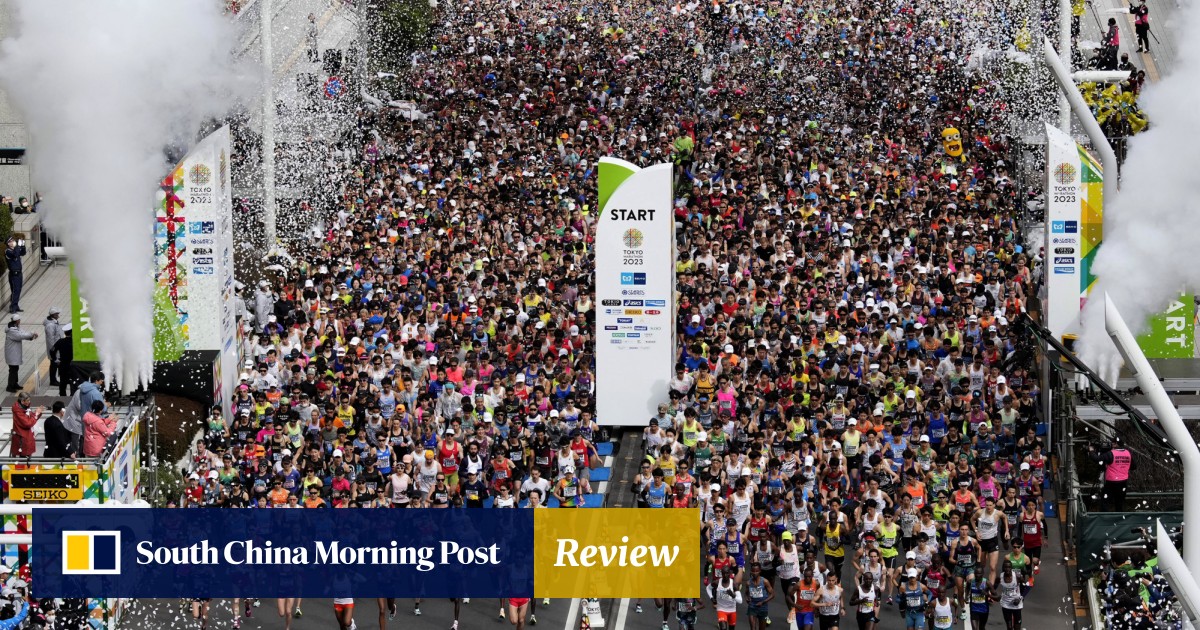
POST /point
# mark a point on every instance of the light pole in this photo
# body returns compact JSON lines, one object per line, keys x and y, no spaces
{"x":268,"y":131}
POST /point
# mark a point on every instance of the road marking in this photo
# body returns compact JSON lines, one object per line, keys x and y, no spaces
{"x":573,"y":612}
{"x":572,"y":615}
{"x":622,"y":612}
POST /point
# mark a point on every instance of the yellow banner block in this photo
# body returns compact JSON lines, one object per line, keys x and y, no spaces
{"x":616,"y":552}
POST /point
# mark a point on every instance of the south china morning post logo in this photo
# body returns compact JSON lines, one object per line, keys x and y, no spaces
{"x":316,"y":553}
{"x":91,"y":552}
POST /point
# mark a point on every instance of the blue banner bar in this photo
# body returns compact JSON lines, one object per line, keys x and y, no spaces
{"x":131,"y":552}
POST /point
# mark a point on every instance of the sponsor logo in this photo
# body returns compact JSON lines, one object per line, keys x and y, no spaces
{"x":632,"y":292}
{"x":1064,"y":260}
{"x":613,"y":311}
{"x":624,"y":320}
{"x":610,"y":302}
{"x":656,"y":302}
{"x":632,"y":238}
{"x":91,"y":552}
{"x":207,"y":260}
{"x":633,"y":335}
{"x":1064,"y":227}
{"x":610,"y":328}
{"x":1064,"y":270}
{"x":202,"y":241}
{"x":653,"y":312}
{"x":633,"y":277}
{"x":203,"y":271}
{"x":1064,"y":240}
{"x":202,"y":251}
{"x":633,"y":311}
{"x":1064,"y":250}
{"x":641,"y":328}
{"x":614,"y":341}
{"x":619,"y":335}
{"x":201,"y":227}
{"x":633,"y":302}
{"x":1065,"y":173}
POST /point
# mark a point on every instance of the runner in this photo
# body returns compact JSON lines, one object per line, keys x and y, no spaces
{"x":725,"y":596}
{"x":343,"y":611}
{"x":866,"y":601}
{"x":829,"y":603}
{"x":760,"y":593}
{"x":1010,"y":589}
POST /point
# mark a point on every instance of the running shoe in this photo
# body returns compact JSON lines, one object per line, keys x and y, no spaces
{"x":466,"y":600}
{"x":249,"y":609}
{"x":299,"y":613}
{"x":638,"y":608}
{"x":417,"y":610}
{"x":454,"y":626}
{"x":353,"y":626}
{"x":545,"y":601}
{"x":533,"y":620}
{"x":768,"y":620}
{"x":500,"y":617}
{"x":392,"y":610}
{"x":665,"y":626}
{"x":237,"y":622}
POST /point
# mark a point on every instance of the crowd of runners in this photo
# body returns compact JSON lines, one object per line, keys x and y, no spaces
{"x":842,"y":406}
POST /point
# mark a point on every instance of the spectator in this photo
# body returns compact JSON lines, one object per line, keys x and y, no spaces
{"x":63,"y":361}
{"x":60,"y":443}
{"x":96,"y":429}
{"x":16,"y":279}
{"x":54,"y":332}
{"x":25,"y":417}
{"x":13,"y":350}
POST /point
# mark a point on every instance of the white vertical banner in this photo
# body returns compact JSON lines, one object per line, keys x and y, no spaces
{"x":1063,"y":257}
{"x":635,"y":291}
{"x":208,"y":199}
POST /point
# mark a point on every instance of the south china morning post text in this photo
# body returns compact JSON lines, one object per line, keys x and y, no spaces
{"x":216,"y":553}
{"x":286,"y":553}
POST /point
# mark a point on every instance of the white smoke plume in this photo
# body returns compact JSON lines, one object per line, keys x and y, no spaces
{"x":103,"y":87}
{"x":1151,"y":228}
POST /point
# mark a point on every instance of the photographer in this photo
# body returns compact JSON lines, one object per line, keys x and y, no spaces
{"x":1117,"y":462}
{"x":13,"y":610}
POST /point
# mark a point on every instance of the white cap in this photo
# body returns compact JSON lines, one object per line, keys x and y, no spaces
{"x":449,"y":431}
{"x":568,"y":470}
{"x":337,"y":452}
{"x":912,"y":555}
{"x":910,"y":394}
{"x":852,"y":421}
{"x":808,"y":460}
{"x":745,"y":472}
{"x":702,"y":436}
{"x":212,"y":474}
{"x":695,"y":319}
{"x":194,"y":476}
{"x":553,"y":413}
{"x":520,"y":378}
{"x":287,"y":452}
{"x":1001,"y":379}
{"x":272,"y":318}
{"x":924,"y":438}
{"x":716,"y":487}
{"x":728,"y":348}
{"x":878,"y":412}
{"x":912,"y":573}
{"x":432,"y":360}
{"x":487,"y":416}
{"x":1024,"y":465}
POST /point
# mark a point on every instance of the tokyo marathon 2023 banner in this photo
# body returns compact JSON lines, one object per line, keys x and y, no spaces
{"x":635,"y":291}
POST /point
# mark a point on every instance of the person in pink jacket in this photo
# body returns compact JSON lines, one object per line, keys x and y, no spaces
{"x":96,"y":430}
